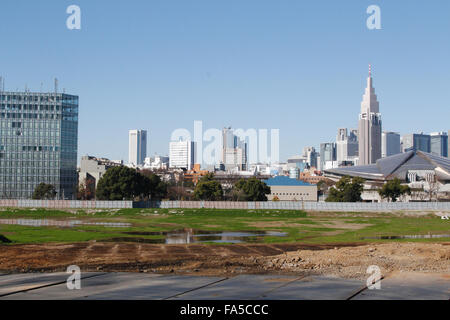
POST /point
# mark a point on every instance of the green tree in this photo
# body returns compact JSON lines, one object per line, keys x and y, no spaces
{"x":347,"y":190}
{"x":157,"y":189}
{"x":393,"y":189}
{"x":251,"y":190}
{"x":208,"y":189}
{"x":123,"y":183}
{"x":44,"y":192}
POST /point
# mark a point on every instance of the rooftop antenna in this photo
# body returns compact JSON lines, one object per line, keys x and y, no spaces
{"x":42,"y":85}
{"x":56,"y":85}
{"x":370,"y":70}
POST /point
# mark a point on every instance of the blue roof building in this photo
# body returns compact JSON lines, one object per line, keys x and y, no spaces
{"x":286,"y":189}
{"x":285,"y":181}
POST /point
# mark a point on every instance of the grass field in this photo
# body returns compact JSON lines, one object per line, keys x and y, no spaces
{"x":149,"y":225}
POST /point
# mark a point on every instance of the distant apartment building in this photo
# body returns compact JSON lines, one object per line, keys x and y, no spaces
{"x":439,"y":144}
{"x":234,"y":151}
{"x":346,"y":146}
{"x":182,"y":154}
{"x":390,"y":144}
{"x":416,"y":142}
{"x":327,"y":153}
{"x":137,"y":147}
{"x":93,"y":168}
{"x":38,"y":143}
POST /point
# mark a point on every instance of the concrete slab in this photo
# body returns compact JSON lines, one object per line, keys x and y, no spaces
{"x":120,"y":286}
{"x":242,"y":287}
{"x":142,"y":286}
{"x":410,"y":287}
{"x":20,"y":282}
{"x":316,"y":288}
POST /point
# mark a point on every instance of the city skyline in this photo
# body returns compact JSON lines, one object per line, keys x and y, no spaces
{"x":270,"y":71}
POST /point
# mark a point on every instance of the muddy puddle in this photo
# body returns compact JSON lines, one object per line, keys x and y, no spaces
{"x":199,"y":236}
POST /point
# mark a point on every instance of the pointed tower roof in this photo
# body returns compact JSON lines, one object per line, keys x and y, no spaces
{"x":370,"y":102}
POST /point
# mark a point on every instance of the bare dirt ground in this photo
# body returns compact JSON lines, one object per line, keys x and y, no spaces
{"x":353,"y":262}
{"x":343,"y":260}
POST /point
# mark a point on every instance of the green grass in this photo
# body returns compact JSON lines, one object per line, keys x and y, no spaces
{"x":298,"y":225}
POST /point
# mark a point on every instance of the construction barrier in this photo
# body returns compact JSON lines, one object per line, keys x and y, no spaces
{"x":280,"y":205}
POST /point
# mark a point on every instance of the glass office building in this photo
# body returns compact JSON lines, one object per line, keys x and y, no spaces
{"x":38,"y":143}
{"x":416,"y":142}
{"x":439,"y":144}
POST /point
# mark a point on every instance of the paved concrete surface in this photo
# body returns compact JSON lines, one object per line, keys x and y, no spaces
{"x":410,"y":286}
{"x":142,"y":286}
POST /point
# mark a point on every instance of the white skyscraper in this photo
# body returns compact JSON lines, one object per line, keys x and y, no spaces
{"x":369,"y":126}
{"x":137,"y":147}
{"x":182,"y":154}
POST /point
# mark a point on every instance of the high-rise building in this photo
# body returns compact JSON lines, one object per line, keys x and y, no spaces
{"x":327,"y":153}
{"x":137,"y":147}
{"x":311,"y":156}
{"x":439,"y":144}
{"x":390,"y":144}
{"x":417,"y":142}
{"x":370,"y":126}
{"x":234,"y":152}
{"x":182,"y":154}
{"x":38,"y":143}
{"x":346,"y":145}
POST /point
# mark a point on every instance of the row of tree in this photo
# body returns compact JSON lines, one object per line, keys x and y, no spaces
{"x":123,"y":183}
{"x":243,"y":190}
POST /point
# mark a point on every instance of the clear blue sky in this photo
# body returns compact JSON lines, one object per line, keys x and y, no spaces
{"x":298,"y":66}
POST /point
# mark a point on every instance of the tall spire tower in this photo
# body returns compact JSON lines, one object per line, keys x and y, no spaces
{"x":370,"y":125}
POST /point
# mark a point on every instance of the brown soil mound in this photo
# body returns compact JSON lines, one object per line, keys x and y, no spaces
{"x":343,"y":260}
{"x":354,"y":262}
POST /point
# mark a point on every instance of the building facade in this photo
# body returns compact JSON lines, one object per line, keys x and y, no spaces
{"x":439,"y":144}
{"x":390,"y":144}
{"x":38,"y":143}
{"x":93,"y":168}
{"x":370,"y":126}
{"x":137,"y":147}
{"x":346,"y":146}
{"x":311,"y":156}
{"x":285,"y":189}
{"x":327,"y":153}
{"x":234,"y":151}
{"x":182,"y":154}
{"x":416,"y":142}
